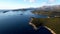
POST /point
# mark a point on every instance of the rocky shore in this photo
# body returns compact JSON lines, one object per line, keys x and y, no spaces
{"x":52,"y":24}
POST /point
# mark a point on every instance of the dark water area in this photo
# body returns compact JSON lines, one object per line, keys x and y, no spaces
{"x":18,"y":23}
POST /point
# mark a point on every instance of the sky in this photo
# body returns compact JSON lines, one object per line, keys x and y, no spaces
{"x":17,"y":4}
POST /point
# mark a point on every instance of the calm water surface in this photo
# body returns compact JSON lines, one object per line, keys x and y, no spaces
{"x":17,"y":22}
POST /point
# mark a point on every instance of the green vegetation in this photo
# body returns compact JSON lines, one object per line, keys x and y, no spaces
{"x":53,"y":23}
{"x":48,"y":13}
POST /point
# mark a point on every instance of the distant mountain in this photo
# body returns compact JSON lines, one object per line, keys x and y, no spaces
{"x":39,"y":9}
{"x":51,"y":11}
{"x":25,"y":9}
{"x":49,"y":8}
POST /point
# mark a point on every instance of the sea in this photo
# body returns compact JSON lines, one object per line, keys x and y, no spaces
{"x":17,"y":22}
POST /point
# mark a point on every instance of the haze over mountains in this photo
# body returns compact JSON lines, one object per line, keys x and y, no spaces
{"x":51,"y":11}
{"x":49,"y":8}
{"x":43,"y":8}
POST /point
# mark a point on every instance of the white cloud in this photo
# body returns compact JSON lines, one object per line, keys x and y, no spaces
{"x":32,"y":1}
{"x":43,"y":4}
{"x":52,"y":0}
{"x":25,"y":0}
{"x":14,"y":6}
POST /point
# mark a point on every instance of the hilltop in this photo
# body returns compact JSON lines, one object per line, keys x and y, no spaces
{"x":51,"y":11}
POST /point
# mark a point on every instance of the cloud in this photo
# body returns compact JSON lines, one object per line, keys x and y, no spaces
{"x":32,"y":1}
{"x":25,"y":0}
{"x":43,"y":4}
{"x":52,"y":0}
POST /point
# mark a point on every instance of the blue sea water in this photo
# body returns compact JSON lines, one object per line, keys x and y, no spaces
{"x":17,"y":22}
